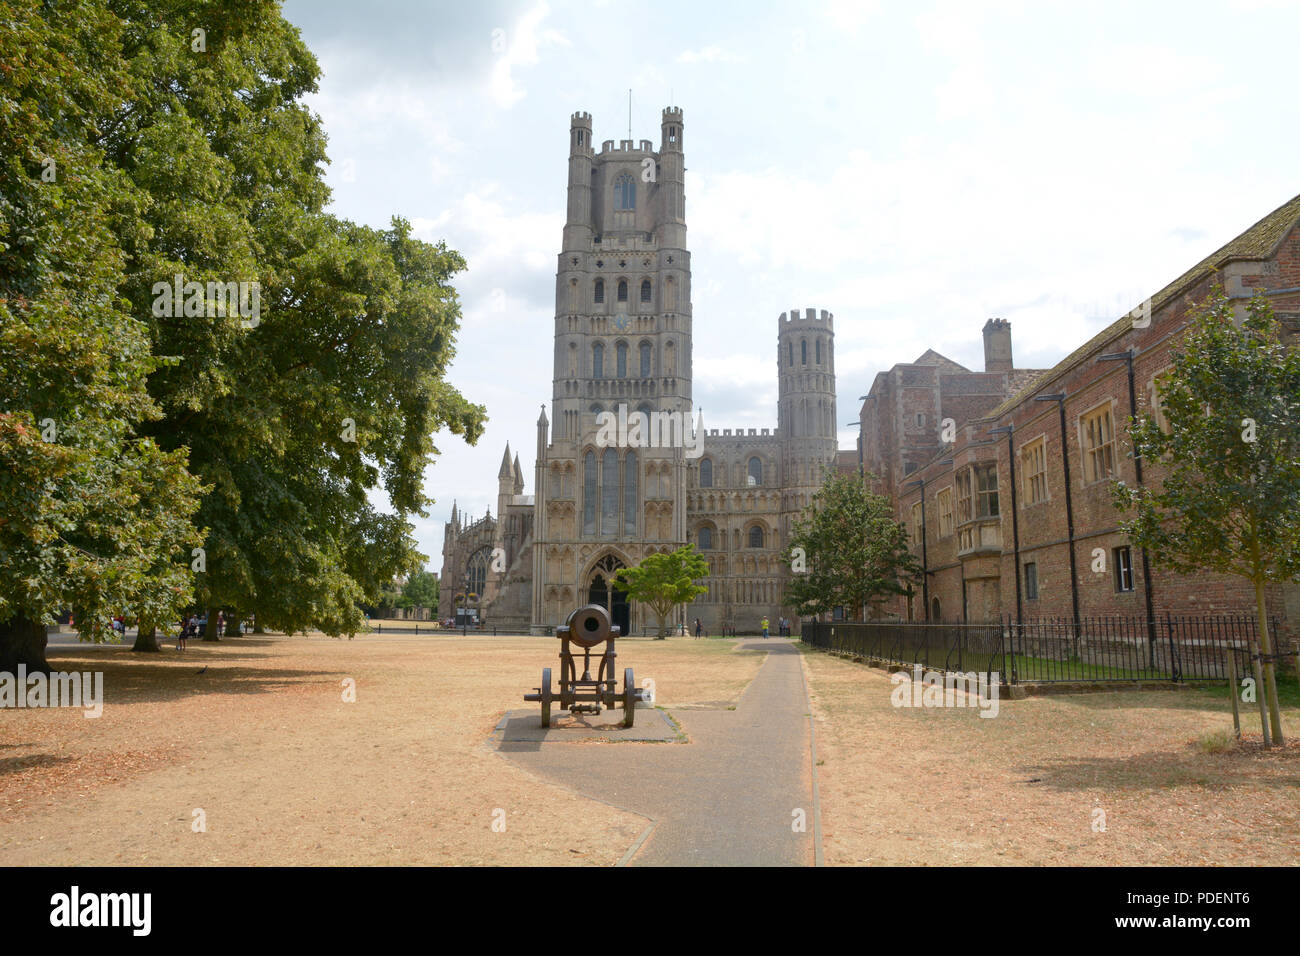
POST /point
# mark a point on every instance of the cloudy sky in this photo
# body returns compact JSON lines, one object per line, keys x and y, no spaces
{"x":915,"y":168}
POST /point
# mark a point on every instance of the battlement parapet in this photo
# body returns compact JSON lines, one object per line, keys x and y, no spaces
{"x":741,"y":433}
{"x":810,"y":317}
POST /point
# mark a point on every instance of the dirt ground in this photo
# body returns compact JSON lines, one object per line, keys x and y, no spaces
{"x":262,"y":748}
{"x":943,"y":786}
{"x":264,"y":751}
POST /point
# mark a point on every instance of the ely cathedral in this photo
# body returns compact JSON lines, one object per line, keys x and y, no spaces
{"x":623,"y":345}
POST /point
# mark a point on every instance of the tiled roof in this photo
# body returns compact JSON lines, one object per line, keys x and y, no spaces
{"x":1258,"y":242}
{"x":931,"y":358}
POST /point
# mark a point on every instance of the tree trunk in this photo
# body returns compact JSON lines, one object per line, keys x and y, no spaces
{"x":661,"y":626}
{"x":210,"y":632}
{"x":22,"y":641}
{"x":1266,"y":651}
{"x":146,"y":639}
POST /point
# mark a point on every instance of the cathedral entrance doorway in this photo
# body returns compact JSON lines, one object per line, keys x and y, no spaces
{"x":605,"y":592}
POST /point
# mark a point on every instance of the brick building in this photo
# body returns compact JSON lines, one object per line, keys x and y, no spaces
{"x":1046,"y":542}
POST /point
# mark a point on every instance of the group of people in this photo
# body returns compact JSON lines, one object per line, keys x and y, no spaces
{"x":195,"y":625}
{"x":783,"y":627}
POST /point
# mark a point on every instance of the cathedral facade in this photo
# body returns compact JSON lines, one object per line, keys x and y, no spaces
{"x":606,"y":497}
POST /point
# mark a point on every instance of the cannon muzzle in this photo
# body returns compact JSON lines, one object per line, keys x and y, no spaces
{"x":588,"y":626}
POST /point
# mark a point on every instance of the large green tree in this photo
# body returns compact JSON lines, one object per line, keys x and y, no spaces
{"x":664,"y":580}
{"x":92,"y":515}
{"x":1229,"y":498}
{"x":333,"y":390}
{"x":846,"y":550}
{"x":184,"y":153}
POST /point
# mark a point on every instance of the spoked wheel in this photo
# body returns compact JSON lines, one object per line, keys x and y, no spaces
{"x":629,"y":698}
{"x":546,"y":696}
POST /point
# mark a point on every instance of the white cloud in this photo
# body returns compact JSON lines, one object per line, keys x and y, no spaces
{"x":850,"y":15}
{"x":522,"y":44}
{"x":708,"y":54}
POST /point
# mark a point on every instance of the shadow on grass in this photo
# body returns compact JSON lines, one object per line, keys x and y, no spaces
{"x":1249,"y":766}
{"x":148,"y":680}
{"x":10,"y":765}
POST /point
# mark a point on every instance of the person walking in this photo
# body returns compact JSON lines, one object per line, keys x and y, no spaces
{"x":184,"y":633}
{"x":699,"y":629}
{"x":765,"y":627}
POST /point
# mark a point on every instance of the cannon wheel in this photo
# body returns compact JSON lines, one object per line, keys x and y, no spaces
{"x":629,"y":698}
{"x":546,"y":696}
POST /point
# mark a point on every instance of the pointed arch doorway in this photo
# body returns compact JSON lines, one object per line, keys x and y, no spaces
{"x":605,"y":592}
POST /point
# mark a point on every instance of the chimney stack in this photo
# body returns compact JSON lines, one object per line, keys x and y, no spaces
{"x":997,"y":346}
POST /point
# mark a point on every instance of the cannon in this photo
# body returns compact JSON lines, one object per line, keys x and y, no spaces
{"x":588,"y":627}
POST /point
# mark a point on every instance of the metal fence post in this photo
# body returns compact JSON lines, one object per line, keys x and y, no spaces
{"x":1175,"y":671}
{"x":1011,"y":640}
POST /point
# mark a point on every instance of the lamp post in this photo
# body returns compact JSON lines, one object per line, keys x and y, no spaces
{"x":1127,"y":357}
{"x":1059,"y":398}
{"x":1009,"y":430}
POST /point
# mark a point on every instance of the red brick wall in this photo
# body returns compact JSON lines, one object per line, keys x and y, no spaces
{"x":1043,"y":527}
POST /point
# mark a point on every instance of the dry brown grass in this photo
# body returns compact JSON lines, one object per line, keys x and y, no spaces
{"x":944,"y":786}
{"x":286,"y":772}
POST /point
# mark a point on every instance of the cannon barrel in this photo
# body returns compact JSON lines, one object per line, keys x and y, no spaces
{"x":588,"y":626}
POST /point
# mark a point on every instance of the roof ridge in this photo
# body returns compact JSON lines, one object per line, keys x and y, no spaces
{"x":1258,"y":242}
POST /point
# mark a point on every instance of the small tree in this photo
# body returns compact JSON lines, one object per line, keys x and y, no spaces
{"x":421,"y":589}
{"x":1230,"y":502}
{"x":666,"y":580}
{"x":846,"y":550}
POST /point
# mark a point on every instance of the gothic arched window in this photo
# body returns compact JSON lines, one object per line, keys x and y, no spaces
{"x":600,"y":290}
{"x":789,"y":351}
{"x":819,"y":351}
{"x":645,"y":359}
{"x":589,"y":493}
{"x":706,"y":539}
{"x":624,"y":193}
{"x":756,"y":537}
{"x":476,"y":575}
{"x":645,"y":290}
{"x":598,"y":361}
{"x":620,"y":353}
{"x":622,"y":290}
{"x":629,"y":494}
{"x":755,"y":471}
{"x":609,"y":492}
{"x":706,"y":473}
{"x":803,"y":352}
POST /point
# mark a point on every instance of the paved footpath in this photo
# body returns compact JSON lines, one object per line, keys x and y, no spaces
{"x":725,"y":799}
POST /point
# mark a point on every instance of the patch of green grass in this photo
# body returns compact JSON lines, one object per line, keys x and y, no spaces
{"x":1218,"y":742}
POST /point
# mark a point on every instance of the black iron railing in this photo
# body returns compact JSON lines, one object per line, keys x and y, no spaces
{"x":1176,"y":648}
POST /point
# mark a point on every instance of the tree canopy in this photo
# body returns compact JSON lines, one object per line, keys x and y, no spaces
{"x":1228,"y":496}
{"x":846,"y":550}
{"x":664,"y":580}
{"x":93,"y":516}
{"x":256,"y":425}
